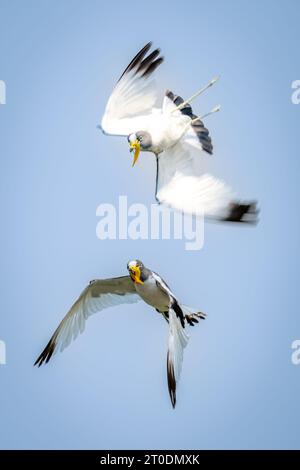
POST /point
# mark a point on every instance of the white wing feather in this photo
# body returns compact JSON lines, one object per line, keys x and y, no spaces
{"x":179,"y":185}
{"x":178,"y":340}
{"x":98,"y":295}
{"x":134,"y":96}
{"x":129,"y":106}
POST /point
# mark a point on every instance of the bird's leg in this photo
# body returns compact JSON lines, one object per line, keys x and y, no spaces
{"x":198,"y":93}
{"x":216,"y":109}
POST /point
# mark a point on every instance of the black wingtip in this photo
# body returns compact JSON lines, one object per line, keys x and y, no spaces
{"x":173,"y":397}
{"x":46,"y":354}
{"x":171,"y":381}
{"x":144,"y":64}
{"x":38,"y":362}
{"x":243,"y":213}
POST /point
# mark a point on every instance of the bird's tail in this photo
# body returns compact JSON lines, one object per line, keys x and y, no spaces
{"x":192,"y":315}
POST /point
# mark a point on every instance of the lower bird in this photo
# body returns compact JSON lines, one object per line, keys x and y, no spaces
{"x":141,"y":283}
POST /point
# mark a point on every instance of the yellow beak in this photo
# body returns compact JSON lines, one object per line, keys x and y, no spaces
{"x":135,"y":274}
{"x":136,"y":147}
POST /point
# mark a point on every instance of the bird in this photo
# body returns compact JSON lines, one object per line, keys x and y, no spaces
{"x":178,"y":139}
{"x":141,"y":283}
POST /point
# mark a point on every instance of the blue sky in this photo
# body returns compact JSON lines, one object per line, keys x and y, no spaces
{"x":238,"y":389}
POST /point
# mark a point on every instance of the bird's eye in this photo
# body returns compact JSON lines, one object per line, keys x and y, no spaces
{"x":140,"y":138}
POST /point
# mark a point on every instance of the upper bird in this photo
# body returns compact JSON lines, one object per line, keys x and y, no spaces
{"x":142,"y":283}
{"x":170,"y":132}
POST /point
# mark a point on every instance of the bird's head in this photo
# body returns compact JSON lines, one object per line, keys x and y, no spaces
{"x":139,"y":141}
{"x":135,"y":269}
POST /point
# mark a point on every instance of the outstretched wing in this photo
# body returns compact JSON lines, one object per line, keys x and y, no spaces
{"x":99,"y":294}
{"x":178,"y":340}
{"x":180,"y":186}
{"x":134,"y":96}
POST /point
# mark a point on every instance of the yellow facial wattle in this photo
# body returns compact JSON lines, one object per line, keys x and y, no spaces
{"x":136,"y":147}
{"x":135,"y":274}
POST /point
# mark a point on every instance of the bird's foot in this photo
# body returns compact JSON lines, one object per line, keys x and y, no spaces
{"x":193,"y":318}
